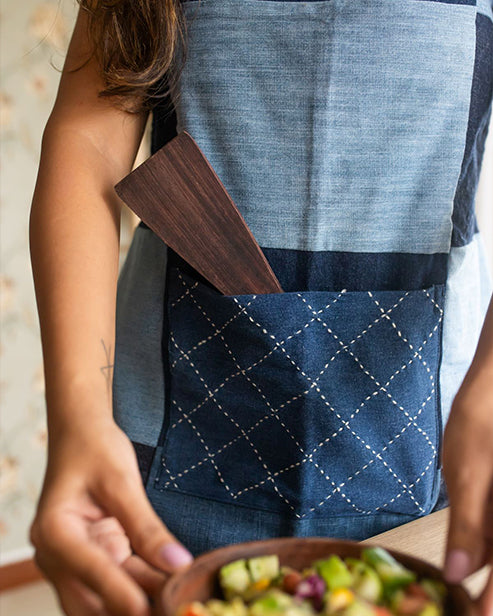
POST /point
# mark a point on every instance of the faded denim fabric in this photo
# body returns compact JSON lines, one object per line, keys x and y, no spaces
{"x":485,"y":7}
{"x":334,"y":125}
{"x":343,"y":132}
{"x":467,"y":297}
{"x":138,"y":379}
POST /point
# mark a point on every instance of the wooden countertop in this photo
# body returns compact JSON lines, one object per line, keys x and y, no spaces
{"x":425,"y":538}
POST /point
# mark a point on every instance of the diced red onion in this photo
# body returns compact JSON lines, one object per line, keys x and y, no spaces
{"x":313,"y":587}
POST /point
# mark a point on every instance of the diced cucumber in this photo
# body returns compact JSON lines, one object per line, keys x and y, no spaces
{"x":273,"y":603}
{"x":334,"y":572}
{"x":379,"y":556}
{"x":264,"y":567}
{"x":393,"y":574}
{"x":432,"y":609}
{"x":358,"y":608}
{"x":234,"y":578}
{"x":235,"y":607}
{"x":366,"y":582}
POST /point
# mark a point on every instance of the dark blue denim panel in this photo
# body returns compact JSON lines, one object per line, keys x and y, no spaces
{"x":463,"y":218}
{"x":355,"y":271}
{"x":204,"y":524}
{"x":145,"y":456}
{"x":469,"y":2}
{"x":295,"y":402}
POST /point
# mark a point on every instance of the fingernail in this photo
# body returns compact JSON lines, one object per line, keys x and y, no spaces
{"x":457,"y":566}
{"x":175,"y":555}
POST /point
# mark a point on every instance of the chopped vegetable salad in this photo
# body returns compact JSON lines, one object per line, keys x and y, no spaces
{"x":374,"y":585}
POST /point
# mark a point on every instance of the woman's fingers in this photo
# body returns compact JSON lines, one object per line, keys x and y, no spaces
{"x":69,"y":554}
{"x":109,"y":534}
{"x":468,"y":468}
{"x":485,"y":601}
{"x":466,"y":544}
{"x":74,"y":597}
{"x":149,"y":537}
{"x":149,"y":579}
{"x":78,"y":600}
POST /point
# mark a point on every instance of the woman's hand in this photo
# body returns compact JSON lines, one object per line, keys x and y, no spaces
{"x":92,"y":512}
{"x":468,"y":470}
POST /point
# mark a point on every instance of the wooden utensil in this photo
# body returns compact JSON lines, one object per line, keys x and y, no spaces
{"x":200,"y":581}
{"x":177,"y":193}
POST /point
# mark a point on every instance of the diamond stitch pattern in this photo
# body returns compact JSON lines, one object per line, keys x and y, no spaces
{"x":296,"y":402}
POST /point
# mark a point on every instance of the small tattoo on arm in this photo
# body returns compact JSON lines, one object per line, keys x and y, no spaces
{"x":107,"y":370}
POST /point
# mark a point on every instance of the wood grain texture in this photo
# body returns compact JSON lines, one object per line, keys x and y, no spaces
{"x":19,"y":573}
{"x":199,"y":582}
{"x":177,"y":193}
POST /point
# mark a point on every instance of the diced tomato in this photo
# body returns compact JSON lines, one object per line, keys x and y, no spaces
{"x":416,"y":590}
{"x":382,"y":611}
{"x":410,"y":606}
{"x":193,"y":609}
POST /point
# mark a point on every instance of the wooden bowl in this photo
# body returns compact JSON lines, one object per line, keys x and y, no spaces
{"x":199,"y":582}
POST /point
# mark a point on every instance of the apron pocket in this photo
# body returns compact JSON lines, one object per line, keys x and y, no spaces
{"x":304,"y":402}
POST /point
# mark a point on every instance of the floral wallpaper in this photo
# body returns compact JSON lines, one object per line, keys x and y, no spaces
{"x":34,"y":35}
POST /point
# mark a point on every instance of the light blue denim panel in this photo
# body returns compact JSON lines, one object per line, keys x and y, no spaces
{"x":138,"y":381}
{"x":485,"y":7}
{"x":334,"y":125}
{"x":467,"y":295}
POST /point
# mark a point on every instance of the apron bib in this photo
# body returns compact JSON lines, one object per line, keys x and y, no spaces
{"x":339,"y":132}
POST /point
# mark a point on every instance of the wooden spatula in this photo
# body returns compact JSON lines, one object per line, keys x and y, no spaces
{"x":177,"y":193}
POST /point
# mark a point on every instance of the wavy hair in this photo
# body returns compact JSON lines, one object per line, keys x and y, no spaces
{"x":135,"y":43}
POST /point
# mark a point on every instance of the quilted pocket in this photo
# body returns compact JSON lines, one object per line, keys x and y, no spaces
{"x":303,"y":401}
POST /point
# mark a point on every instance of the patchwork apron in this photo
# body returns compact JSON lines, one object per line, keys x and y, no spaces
{"x":349,"y":134}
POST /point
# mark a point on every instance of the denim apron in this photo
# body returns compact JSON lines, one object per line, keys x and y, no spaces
{"x":340,"y":129}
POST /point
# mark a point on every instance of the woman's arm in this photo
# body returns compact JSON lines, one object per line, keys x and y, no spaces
{"x":92,"y":480}
{"x":468,"y":469}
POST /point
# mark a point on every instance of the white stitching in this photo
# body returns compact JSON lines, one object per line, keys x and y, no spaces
{"x":187,"y":292}
{"x":186,"y":354}
{"x":415,"y":354}
{"x":245,"y":436}
{"x":346,"y":424}
{"x":270,"y":474}
{"x":345,"y":347}
{"x":257,"y":363}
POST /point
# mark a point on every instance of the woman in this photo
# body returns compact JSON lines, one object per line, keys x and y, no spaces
{"x":350,"y":135}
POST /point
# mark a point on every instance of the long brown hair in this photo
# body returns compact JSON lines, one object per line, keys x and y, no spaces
{"x":135,"y":43}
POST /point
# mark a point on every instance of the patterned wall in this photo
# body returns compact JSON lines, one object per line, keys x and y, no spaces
{"x":33,"y":37}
